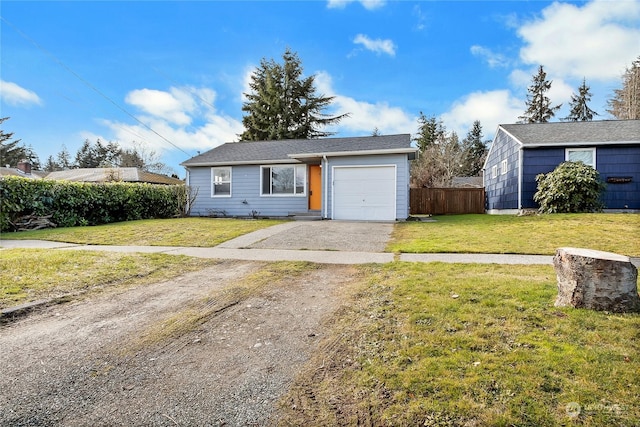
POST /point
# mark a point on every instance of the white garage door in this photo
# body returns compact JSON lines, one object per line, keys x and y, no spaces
{"x":364,"y":193}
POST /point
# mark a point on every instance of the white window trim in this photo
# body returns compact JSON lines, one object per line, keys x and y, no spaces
{"x":213,"y":191}
{"x":494,"y":171}
{"x":592,"y":149}
{"x":294,"y":166}
{"x":504,"y":166}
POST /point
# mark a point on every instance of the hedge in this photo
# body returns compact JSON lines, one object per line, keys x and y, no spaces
{"x":78,"y":203}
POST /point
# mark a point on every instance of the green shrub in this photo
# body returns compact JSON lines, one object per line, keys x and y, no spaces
{"x":571,"y":187}
{"x":77,"y":203}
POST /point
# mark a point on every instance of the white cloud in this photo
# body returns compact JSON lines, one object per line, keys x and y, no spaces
{"x":364,"y":117}
{"x":378,"y":45}
{"x":172,"y":106}
{"x":16,"y":95}
{"x":493,"y":59}
{"x":185,"y":116}
{"x":596,"y":41}
{"x":367,"y":4}
{"x":491,"y":108}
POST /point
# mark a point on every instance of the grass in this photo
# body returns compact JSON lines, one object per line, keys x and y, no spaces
{"x":33,"y":274}
{"x":196,"y":232}
{"x":539,"y":234}
{"x":468,"y":345}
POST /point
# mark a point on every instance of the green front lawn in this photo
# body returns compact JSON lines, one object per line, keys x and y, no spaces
{"x":193,"y":232}
{"x":539,"y":234}
{"x":468,"y":345}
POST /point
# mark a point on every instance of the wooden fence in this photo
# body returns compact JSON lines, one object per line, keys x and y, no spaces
{"x":441,"y":201}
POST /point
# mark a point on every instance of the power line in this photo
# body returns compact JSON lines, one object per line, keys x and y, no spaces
{"x":92,"y":87}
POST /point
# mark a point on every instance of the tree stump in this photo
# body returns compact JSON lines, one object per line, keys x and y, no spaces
{"x":596,"y":280}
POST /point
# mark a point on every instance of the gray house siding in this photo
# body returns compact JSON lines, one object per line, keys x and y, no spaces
{"x":402,"y":178}
{"x":502,"y":190}
{"x":245,"y":200}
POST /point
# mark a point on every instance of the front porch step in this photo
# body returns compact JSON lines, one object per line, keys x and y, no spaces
{"x":306,"y":216}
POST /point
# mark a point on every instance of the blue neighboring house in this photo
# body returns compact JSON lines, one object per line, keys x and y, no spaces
{"x":519,"y":152}
{"x":356,"y":178}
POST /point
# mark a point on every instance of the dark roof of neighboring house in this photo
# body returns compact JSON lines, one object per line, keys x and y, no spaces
{"x":289,"y":149}
{"x":467,"y":182}
{"x":113,"y":174}
{"x":576,"y":133}
{"x":35,"y":174}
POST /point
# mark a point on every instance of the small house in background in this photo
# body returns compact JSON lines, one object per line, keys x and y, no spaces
{"x":99,"y":175}
{"x":520,"y":152}
{"x":23,"y":169}
{"x":357,"y":178}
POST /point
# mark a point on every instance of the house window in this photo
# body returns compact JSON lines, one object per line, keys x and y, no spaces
{"x":503,"y":167}
{"x":584,"y":155}
{"x":283,"y":180}
{"x":494,"y":171}
{"x":221,"y":182}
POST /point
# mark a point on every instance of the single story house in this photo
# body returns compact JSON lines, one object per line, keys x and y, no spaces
{"x":23,"y":169}
{"x":520,"y":152}
{"x":356,"y":178}
{"x":127,"y":174}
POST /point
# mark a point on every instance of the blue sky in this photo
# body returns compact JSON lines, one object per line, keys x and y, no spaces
{"x":80,"y":70}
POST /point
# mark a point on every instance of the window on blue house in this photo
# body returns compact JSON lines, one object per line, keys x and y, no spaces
{"x":285,"y":180}
{"x":221,"y":182}
{"x":584,"y":155}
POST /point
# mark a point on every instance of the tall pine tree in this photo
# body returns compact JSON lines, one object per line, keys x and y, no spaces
{"x":539,"y":108}
{"x":284,"y":105}
{"x":474,"y":151}
{"x":430,"y":130}
{"x":10,"y":151}
{"x":580,"y":111}
{"x":625,"y":103}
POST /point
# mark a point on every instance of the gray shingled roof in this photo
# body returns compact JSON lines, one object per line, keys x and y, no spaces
{"x":576,"y":133}
{"x":259,"y":151}
{"x":113,"y":174}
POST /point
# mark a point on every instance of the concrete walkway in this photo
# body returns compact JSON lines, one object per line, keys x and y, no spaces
{"x":250,"y":247}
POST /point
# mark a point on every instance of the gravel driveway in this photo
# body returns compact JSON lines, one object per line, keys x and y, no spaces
{"x":82,"y":364}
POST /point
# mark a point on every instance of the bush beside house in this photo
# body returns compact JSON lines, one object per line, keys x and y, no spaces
{"x":77,"y":203}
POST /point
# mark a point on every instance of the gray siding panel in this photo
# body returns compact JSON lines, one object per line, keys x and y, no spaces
{"x":245,"y":197}
{"x":402,"y":178}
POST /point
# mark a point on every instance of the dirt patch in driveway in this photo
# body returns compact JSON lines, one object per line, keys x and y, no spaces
{"x":235,"y":354}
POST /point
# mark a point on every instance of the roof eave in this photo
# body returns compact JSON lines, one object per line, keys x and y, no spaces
{"x":353,"y":153}
{"x":577,"y":143}
{"x":239,"y":163}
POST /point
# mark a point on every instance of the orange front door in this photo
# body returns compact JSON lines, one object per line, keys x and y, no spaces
{"x":315,"y":187}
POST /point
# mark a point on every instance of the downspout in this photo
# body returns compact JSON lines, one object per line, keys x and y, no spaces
{"x":326,"y":184}
{"x":520,"y":163}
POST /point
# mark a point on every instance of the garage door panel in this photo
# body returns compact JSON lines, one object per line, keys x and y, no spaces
{"x":364,"y":193}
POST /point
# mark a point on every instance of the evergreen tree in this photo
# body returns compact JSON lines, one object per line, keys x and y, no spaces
{"x":429,"y":131}
{"x":86,"y":156}
{"x":474,"y":151}
{"x":284,"y":105}
{"x":10,"y":152}
{"x":539,"y":109}
{"x":63,"y":159}
{"x":51,"y":165}
{"x":580,"y":111}
{"x":625,"y":103}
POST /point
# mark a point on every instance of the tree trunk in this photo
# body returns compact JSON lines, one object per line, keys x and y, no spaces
{"x":596,"y":280}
